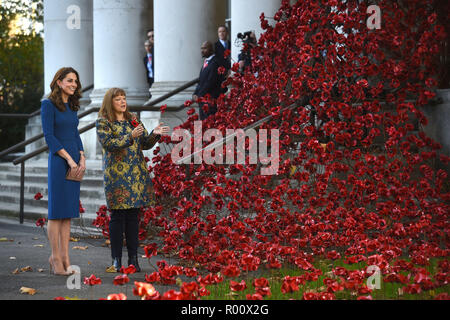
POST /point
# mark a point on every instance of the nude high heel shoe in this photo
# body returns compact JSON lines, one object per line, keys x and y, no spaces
{"x":52,"y":268}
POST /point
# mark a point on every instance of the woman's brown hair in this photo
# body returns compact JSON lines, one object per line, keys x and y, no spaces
{"x":56,"y":94}
{"x":107,"y":110}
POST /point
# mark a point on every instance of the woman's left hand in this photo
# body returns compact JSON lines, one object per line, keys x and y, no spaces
{"x":160,"y":129}
{"x":82,"y":163}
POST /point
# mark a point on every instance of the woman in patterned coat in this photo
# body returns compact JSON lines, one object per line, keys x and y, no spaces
{"x":127,"y":182}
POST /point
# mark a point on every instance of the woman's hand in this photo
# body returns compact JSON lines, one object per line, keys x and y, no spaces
{"x":82,"y":163}
{"x":138,"y":131}
{"x":160,"y":129}
{"x":72,"y":164}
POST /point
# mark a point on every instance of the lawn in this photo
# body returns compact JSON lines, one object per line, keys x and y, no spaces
{"x":387,"y":290}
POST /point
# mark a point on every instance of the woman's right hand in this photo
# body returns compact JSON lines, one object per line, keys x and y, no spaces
{"x":138,"y":131}
{"x":72,"y":164}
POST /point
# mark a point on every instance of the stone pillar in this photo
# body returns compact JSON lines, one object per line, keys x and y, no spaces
{"x":119,"y":34}
{"x":67,"y":43}
{"x":180,"y":29}
{"x":68,"y":39}
{"x":438,"y":127}
{"x":245,"y":17}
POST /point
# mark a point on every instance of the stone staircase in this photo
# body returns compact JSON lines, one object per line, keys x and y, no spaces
{"x":92,"y":192}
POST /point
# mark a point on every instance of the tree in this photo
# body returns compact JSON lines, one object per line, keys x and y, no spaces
{"x":21,"y":65}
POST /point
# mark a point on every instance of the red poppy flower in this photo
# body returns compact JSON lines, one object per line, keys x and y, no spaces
{"x":172,"y":295}
{"x":82,"y":210}
{"x":325,"y":296}
{"x":117,"y":296}
{"x":38,"y":196}
{"x":310,"y":296}
{"x":221,"y":70}
{"x":144,"y":290}
{"x":150,"y":250}
{"x":163,"y":108}
{"x":189,"y":288}
{"x":128,"y":270}
{"x":289,"y":285}
{"x":40,"y":222}
{"x":154,"y":277}
{"x":92,"y":280}
{"x":442,"y":296}
{"x":255,"y":296}
{"x":238,"y":286}
{"x":134,"y":123}
{"x":369,"y":297}
{"x":190,"y":272}
{"x":121,"y":280}
{"x":202,"y":292}
{"x":231,"y":271}
{"x":264,"y":291}
{"x":260,"y":282}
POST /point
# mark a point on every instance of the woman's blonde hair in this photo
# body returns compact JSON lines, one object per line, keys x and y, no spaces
{"x":107,"y":110}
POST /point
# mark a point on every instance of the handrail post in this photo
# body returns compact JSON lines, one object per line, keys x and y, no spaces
{"x":22,"y":190}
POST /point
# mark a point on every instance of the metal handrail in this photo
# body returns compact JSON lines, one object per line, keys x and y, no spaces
{"x":254,"y":125}
{"x":37,"y":112}
{"x":148,"y":106}
{"x":24,"y":143}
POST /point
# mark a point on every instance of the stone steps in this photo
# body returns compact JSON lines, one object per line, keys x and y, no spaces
{"x":91,"y":196}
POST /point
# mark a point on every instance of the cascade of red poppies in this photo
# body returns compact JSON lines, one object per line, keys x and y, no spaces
{"x":356,"y":178}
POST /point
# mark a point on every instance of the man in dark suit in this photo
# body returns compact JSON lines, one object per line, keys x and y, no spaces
{"x":220,"y":47}
{"x":209,"y":81}
{"x":149,"y":60}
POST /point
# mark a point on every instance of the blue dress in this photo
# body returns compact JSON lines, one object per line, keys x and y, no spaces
{"x":61,"y":132}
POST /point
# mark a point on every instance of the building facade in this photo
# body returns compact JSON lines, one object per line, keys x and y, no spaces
{"x":104,"y":41}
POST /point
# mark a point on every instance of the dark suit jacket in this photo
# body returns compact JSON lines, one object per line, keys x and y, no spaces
{"x":209,"y":80}
{"x":150,"y":80}
{"x":219,"y":51}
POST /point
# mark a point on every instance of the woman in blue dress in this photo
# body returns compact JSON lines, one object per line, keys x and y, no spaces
{"x":60,"y":127}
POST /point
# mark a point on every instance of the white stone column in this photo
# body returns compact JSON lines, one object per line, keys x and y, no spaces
{"x":181,"y":26}
{"x":119,"y":33}
{"x":67,"y":43}
{"x":245,"y":17}
{"x":68,"y":39}
{"x":180,"y":29}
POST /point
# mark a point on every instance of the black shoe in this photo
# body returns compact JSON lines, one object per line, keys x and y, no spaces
{"x":117,"y":263}
{"x":134,"y":261}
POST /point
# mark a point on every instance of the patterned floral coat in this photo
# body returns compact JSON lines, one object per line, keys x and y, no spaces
{"x":127,"y":181}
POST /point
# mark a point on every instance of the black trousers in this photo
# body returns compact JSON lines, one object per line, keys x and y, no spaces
{"x":124,"y":221}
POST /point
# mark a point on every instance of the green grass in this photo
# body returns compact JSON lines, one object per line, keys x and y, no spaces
{"x":388,"y":291}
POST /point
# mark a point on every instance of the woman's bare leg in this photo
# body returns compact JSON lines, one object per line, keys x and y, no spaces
{"x":54,"y":231}
{"x":64,"y":240}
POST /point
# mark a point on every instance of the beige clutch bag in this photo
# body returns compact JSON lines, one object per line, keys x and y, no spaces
{"x":71,"y":175}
